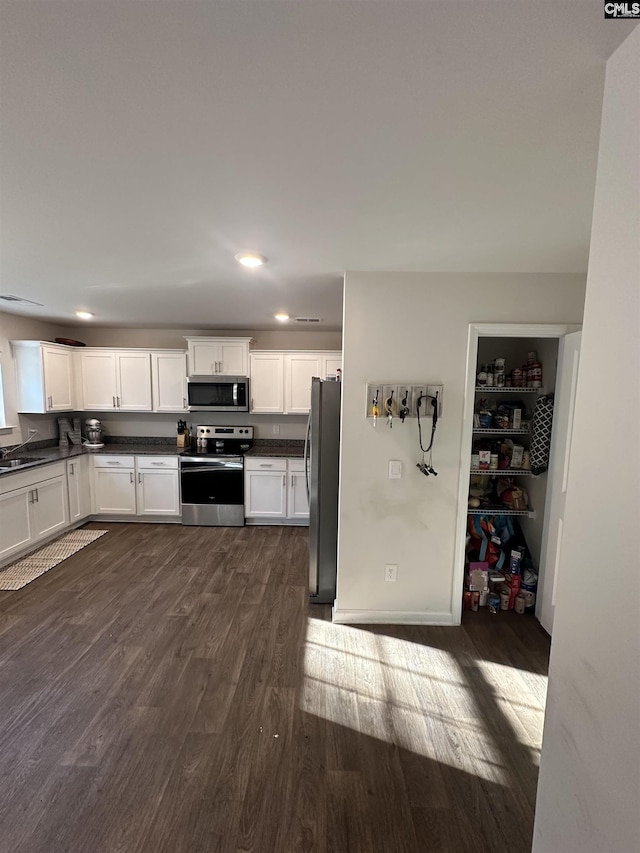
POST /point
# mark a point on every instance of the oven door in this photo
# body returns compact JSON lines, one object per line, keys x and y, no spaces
{"x":212,"y":491}
{"x":230,"y":394}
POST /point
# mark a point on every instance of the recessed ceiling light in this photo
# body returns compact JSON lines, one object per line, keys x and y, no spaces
{"x":84,"y":315}
{"x":282,"y":317}
{"x":250,"y":259}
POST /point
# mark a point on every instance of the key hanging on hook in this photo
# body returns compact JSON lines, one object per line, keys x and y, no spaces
{"x":388,"y":407}
{"x":404,"y":411}
{"x":375,"y":409}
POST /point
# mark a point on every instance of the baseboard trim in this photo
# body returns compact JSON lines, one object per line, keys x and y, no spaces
{"x":390,"y":617}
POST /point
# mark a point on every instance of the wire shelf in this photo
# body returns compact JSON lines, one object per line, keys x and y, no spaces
{"x":503,"y":472}
{"x":500,"y":510}
{"x":500,"y":431}
{"x":503,"y":389}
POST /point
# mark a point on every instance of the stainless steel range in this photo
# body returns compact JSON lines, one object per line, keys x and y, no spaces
{"x":212,"y":476}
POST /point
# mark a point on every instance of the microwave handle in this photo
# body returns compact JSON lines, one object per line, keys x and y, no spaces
{"x":235,"y":393}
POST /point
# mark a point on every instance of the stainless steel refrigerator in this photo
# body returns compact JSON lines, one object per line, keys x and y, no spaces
{"x":322,"y":456}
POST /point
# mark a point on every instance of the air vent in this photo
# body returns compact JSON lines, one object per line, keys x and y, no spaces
{"x":9,"y":297}
{"x":308,"y":319}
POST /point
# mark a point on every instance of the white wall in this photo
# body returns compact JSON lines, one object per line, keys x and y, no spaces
{"x":285,"y":338}
{"x":589,"y":783}
{"x":414,"y":327}
{"x":15,"y":328}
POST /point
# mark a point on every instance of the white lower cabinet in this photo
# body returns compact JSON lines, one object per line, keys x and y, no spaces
{"x":158,"y":491}
{"x":275,"y":490}
{"x":297,"y":502}
{"x":15,"y":522}
{"x":265,"y":488}
{"x":33,"y":507}
{"x":79,"y":488}
{"x":136,"y":485}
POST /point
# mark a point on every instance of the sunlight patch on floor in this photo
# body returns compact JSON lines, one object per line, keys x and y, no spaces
{"x":422,"y":699}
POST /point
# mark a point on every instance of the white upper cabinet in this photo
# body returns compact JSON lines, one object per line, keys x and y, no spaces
{"x":169,"y":381}
{"x":266,"y":384}
{"x":117,"y":380}
{"x":280,"y":382}
{"x":299,"y":370}
{"x":45,"y":377}
{"x":218,"y":356}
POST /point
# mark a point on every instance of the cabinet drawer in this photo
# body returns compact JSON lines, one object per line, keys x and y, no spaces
{"x":108,"y":461}
{"x":153,"y":463}
{"x":262,"y":463}
{"x":296,"y":465}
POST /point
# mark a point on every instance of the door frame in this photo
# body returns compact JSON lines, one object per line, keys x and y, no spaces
{"x":477,"y":331}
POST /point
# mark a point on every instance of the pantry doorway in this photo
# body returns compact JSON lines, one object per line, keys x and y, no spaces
{"x":544,"y":526}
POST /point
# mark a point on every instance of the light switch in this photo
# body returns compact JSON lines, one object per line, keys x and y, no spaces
{"x":395,"y":469}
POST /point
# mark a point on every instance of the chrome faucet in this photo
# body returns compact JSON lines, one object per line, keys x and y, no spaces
{"x":4,"y":452}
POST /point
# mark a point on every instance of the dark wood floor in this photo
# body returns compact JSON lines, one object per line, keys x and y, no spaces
{"x":169,"y":690}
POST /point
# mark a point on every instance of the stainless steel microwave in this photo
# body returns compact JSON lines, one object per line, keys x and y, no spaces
{"x":224,"y":394}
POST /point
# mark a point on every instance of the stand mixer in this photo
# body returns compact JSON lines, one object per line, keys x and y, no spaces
{"x":93,"y":430}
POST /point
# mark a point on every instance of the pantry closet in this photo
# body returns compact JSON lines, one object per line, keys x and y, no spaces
{"x":516,"y":462}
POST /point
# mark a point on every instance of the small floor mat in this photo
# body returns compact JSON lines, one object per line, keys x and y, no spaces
{"x":23,"y":571}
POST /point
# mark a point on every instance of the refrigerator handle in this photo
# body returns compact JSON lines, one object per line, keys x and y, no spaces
{"x":307,"y":448}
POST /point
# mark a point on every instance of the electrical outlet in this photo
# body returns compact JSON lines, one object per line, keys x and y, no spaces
{"x":432,"y":390}
{"x":276,"y":429}
{"x":391,"y":572}
{"x":33,"y":432}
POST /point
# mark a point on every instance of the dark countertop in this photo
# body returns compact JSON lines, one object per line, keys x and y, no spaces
{"x":295,"y":450}
{"x":45,"y":455}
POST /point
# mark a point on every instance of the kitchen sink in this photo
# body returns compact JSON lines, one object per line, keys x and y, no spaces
{"x":9,"y":464}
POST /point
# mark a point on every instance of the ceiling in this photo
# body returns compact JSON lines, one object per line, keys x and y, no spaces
{"x":143,"y":143}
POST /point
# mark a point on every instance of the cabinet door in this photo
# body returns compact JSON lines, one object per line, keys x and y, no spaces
{"x":299,"y":369}
{"x":99,"y":390}
{"x":331,"y":363}
{"x":57,"y":365}
{"x":169,"y":381}
{"x":134,"y":381}
{"x":265,"y":494}
{"x":15,"y":521}
{"x":297,"y":503}
{"x":78,"y":488}
{"x":115,"y":491}
{"x":233,"y":358}
{"x":158,"y":492}
{"x":49,"y":512}
{"x":267,"y":382}
{"x":203,"y":358}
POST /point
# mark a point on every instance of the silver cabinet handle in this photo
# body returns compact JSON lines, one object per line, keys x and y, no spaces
{"x":114,"y":402}
{"x":35,"y":491}
{"x":131,"y":476}
{"x":158,"y":463}
{"x":71,"y":471}
{"x":50,"y":400}
{"x":292,"y":481}
{"x":118,"y":399}
{"x":266,"y":464}
{"x":32,"y":496}
{"x":284,"y":481}
{"x":112,"y":463}
{"x":139,"y":477}
{"x":184,"y":402}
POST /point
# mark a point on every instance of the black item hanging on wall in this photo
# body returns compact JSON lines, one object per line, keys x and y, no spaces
{"x":541,"y":434}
